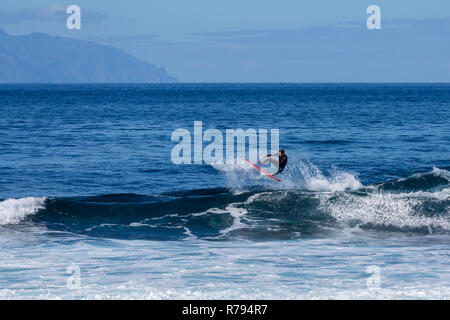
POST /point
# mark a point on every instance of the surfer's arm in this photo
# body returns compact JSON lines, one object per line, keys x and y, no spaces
{"x":270,"y":155}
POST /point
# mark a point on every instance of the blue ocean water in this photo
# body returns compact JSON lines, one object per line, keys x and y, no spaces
{"x":87,"y":183}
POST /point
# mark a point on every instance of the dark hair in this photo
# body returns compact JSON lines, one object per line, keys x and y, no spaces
{"x":282,"y":151}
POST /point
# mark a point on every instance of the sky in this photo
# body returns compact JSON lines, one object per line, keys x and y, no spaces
{"x":258,"y":40}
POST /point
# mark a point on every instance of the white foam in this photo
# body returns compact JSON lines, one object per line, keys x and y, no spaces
{"x":12,"y":211}
{"x":341,"y":182}
{"x":442,"y":195}
{"x":189,"y":234}
{"x":441,"y":173}
{"x":241,"y":166}
{"x":211,"y":210}
{"x":269,"y":196}
{"x":338,"y":180}
{"x":307,"y":269}
{"x":384,"y":209}
{"x":237,"y":214}
{"x":240,"y":175}
{"x":298,"y":174}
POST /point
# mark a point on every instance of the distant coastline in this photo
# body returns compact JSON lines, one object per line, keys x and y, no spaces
{"x":42,"y":58}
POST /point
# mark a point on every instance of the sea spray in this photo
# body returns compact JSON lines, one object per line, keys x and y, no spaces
{"x":12,"y":211}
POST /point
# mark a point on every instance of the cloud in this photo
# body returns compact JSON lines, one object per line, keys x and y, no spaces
{"x":428,"y":23}
{"x":125,"y":42}
{"x":52,"y":14}
{"x":239,"y":33}
{"x":404,"y":50}
{"x":431,"y":25}
{"x":123,"y":38}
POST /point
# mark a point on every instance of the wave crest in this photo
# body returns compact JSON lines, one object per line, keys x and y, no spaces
{"x":419,"y":204}
{"x":297,"y":175}
{"x":13,"y":211}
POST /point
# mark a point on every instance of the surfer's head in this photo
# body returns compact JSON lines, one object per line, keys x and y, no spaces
{"x":281,"y":152}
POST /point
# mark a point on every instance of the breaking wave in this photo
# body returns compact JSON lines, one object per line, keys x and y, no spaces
{"x":307,"y":204}
{"x":298,"y":175}
{"x":12,"y":211}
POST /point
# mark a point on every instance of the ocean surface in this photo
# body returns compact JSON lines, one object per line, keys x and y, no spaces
{"x":92,"y":206}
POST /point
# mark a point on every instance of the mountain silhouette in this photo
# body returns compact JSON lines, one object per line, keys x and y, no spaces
{"x":39,"y":57}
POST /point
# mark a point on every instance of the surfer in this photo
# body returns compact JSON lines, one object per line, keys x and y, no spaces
{"x":280,"y":163}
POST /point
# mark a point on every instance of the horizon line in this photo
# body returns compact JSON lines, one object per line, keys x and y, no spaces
{"x":223,"y":82}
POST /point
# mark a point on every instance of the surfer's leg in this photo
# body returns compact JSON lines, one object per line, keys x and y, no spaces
{"x":274,"y":162}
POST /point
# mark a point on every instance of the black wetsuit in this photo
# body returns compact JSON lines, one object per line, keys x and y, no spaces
{"x":282,"y":160}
